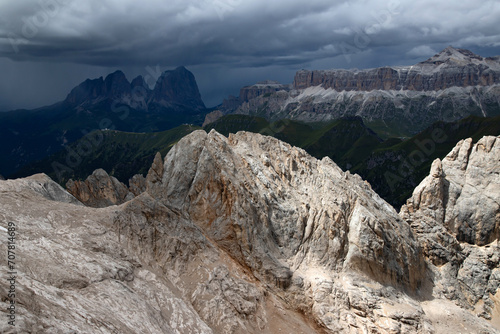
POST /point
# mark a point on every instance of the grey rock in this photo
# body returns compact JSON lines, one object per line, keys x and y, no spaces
{"x":115,"y":86}
{"x":284,"y":215}
{"x":155,"y":173}
{"x":455,"y":213}
{"x":450,"y":68}
{"x":463,"y":192}
{"x":43,"y":186}
{"x":244,"y":234}
{"x":447,"y":87}
{"x":75,"y":273}
{"x":212,"y":117}
{"x":137,"y":184}
{"x":261,"y":88}
{"x":175,"y":88}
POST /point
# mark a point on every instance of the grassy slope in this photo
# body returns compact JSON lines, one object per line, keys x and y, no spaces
{"x":396,"y":167}
{"x":121,"y":154}
{"x":31,"y":135}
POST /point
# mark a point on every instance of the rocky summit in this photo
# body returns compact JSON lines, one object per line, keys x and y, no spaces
{"x":247,"y":234}
{"x":173,"y":88}
{"x":449,"y":86}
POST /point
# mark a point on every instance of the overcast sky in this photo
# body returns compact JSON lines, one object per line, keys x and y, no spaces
{"x":49,"y":46}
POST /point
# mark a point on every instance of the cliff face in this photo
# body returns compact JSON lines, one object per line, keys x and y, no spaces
{"x":448,"y":86}
{"x":455,"y":213}
{"x":178,"y":87}
{"x":230,"y":235}
{"x":450,"y":68}
{"x":247,"y":169}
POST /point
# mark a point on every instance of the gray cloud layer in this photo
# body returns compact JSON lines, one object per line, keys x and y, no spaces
{"x":215,"y":38}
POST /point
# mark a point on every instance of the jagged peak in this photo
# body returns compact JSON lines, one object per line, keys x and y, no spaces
{"x":138,"y":79}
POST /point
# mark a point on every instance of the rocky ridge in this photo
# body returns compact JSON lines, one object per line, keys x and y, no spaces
{"x":455,"y":213}
{"x":238,"y":234}
{"x":449,"y":86}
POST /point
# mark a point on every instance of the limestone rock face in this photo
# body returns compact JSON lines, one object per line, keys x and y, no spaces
{"x":77,"y":274}
{"x":244,"y":234}
{"x":42,"y":185}
{"x":115,"y":86}
{"x":449,"y":86}
{"x":275,"y":208}
{"x":463,"y":191}
{"x":212,"y":117}
{"x":297,"y":223}
{"x":99,"y":190}
{"x":155,"y":173}
{"x":261,"y":88}
{"x":173,"y":88}
{"x":455,"y":213}
{"x":450,"y":68}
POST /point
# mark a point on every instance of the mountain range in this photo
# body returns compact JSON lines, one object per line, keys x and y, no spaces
{"x":276,"y":212}
{"x":113,"y":102}
{"x":394,"y":101}
{"x":390,"y":102}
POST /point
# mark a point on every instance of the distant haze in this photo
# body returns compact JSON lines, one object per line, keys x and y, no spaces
{"x":49,"y":46}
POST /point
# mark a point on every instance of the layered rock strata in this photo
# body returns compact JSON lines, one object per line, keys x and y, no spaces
{"x":449,"y":86}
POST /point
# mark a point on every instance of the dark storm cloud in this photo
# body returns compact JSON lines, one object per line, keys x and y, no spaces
{"x":239,"y":36}
{"x":109,"y":33}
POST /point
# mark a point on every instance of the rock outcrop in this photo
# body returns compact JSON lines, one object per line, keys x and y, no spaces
{"x":244,"y":234}
{"x":115,"y":86}
{"x":76,"y":274}
{"x":99,"y":190}
{"x":455,"y":213}
{"x":212,"y":117}
{"x":447,"y":87}
{"x":137,"y":184}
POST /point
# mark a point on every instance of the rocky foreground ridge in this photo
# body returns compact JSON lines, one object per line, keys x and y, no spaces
{"x":247,"y":234}
{"x":455,"y":213}
{"x":451,"y":85}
